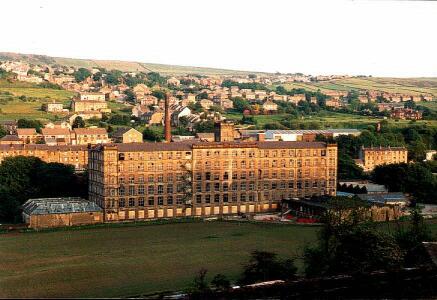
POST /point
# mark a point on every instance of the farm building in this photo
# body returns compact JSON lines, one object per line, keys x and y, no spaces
{"x":57,"y":212}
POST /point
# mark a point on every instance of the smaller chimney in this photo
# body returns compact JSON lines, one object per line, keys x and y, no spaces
{"x":167,"y":126}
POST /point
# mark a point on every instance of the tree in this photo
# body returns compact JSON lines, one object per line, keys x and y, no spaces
{"x":159,"y":94}
{"x":240,"y":104}
{"x":204,"y":126}
{"x":195,"y":107}
{"x":25,"y":123}
{"x":22,"y":178}
{"x":81,"y":74}
{"x":221,"y":282}
{"x":203,"y":95}
{"x":348,"y":169}
{"x":180,"y":130}
{"x":130,"y":96}
{"x":118,"y":119}
{"x":3,"y":132}
{"x":414,"y":178}
{"x":264,"y":266}
{"x":97,"y":76}
{"x":78,"y":122}
{"x":184,"y":122}
{"x":248,"y":120}
{"x":216,"y":108}
{"x":200,"y":282}
{"x":350,"y":243}
{"x":416,"y":150}
{"x":156,"y":78}
{"x":133,"y":80}
{"x":152,"y":135}
{"x":113,"y":77}
{"x":411,"y":237}
{"x":49,"y":85}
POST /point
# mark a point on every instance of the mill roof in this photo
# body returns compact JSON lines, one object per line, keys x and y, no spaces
{"x":42,"y":206}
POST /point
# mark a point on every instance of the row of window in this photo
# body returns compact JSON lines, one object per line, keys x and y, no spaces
{"x":209,"y":176}
{"x":243,"y":164}
{"x":267,"y":163}
{"x":170,"y":200}
{"x":151,"y":155}
{"x":218,"y":153}
{"x":160,"y":189}
{"x":262,"y":153}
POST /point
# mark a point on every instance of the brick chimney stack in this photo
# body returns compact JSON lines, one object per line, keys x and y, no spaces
{"x":167,"y":126}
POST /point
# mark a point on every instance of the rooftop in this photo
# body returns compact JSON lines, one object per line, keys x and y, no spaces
{"x":10,"y":138}
{"x":370,"y":187}
{"x":384,"y":198}
{"x":190,"y":144}
{"x":55,"y":131}
{"x":26,"y":131}
{"x":90,"y":131}
{"x":42,"y":206}
{"x":35,"y":147}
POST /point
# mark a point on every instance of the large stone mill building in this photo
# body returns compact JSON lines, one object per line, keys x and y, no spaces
{"x":152,"y":180}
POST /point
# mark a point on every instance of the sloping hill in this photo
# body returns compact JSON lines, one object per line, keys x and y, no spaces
{"x":119,"y":65}
{"x":410,"y":86}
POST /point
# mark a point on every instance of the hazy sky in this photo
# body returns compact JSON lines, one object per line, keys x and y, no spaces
{"x":381,"y":38}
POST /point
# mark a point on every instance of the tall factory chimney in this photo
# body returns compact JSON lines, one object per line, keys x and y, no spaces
{"x":167,"y":126}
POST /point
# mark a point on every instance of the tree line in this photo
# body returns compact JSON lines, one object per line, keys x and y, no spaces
{"x":348,"y":243}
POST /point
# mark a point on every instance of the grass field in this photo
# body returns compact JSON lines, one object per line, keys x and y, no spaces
{"x":431,"y":105}
{"x":411,"y":86}
{"x":329,"y":119}
{"x":123,"y":261}
{"x":13,"y":108}
{"x":134,"y":260}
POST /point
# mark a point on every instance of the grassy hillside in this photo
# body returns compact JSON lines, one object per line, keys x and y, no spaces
{"x":411,"y":86}
{"x":14,"y":106}
{"x":119,"y":65}
{"x":414,"y":86}
{"x":329,"y":119}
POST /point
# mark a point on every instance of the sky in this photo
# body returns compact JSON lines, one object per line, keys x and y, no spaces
{"x":317,"y":37}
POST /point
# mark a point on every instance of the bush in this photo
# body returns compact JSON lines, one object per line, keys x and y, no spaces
{"x":265,"y":266}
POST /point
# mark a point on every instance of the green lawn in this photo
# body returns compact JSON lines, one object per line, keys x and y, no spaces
{"x":18,"y":88}
{"x":260,"y":119}
{"x":132,"y":260}
{"x":17,"y":109}
{"x":122,"y":261}
{"x":14,"y":108}
{"x":431,"y":105}
{"x":120,"y":108}
{"x":329,"y":119}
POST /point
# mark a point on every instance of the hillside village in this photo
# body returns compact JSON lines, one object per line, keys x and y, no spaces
{"x":108,"y":106}
{"x":199,"y":98}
